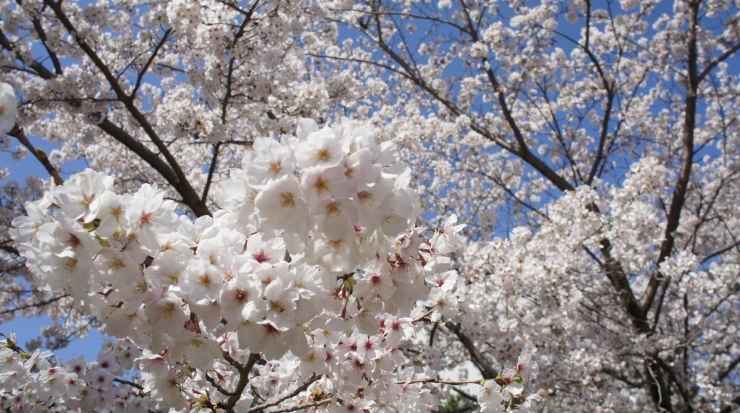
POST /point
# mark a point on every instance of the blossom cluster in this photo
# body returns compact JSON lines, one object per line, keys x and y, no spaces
{"x":30,"y":379}
{"x":312,"y":268}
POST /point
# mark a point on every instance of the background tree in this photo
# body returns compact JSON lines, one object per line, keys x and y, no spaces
{"x":594,"y":146}
{"x":591,"y":146}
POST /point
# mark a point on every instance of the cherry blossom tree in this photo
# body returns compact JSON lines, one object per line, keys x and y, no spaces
{"x":592,"y":147}
{"x":233,"y":266}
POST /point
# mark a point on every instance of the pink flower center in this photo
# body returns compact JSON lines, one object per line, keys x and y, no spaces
{"x":261,"y":256}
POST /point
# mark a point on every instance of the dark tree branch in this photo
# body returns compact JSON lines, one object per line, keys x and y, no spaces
{"x":37,"y":153}
{"x":727,"y":370}
{"x":183,"y":187}
{"x":148,"y":63}
{"x":726,"y":55}
{"x":244,"y":371}
{"x":485,"y":368}
{"x":44,"y":39}
{"x":616,"y":275}
{"x":681,"y":390}
{"x":211,"y":172}
{"x":619,"y":376}
{"x":39,"y":304}
{"x":37,"y":67}
{"x":657,"y":388}
{"x":217,"y":386}
{"x":129,"y":383}
{"x":682,"y":184}
{"x":292,"y":394}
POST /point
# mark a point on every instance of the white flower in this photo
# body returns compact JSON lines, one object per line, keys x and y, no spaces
{"x":368,"y":345}
{"x":269,"y":273}
{"x":361,"y":170}
{"x":202,"y":281}
{"x":167,"y":269}
{"x":120,"y":321}
{"x":489,"y":398}
{"x":374,"y":286}
{"x":267,"y":252}
{"x":269,"y":161}
{"x":110,"y":212}
{"x":154,"y":364}
{"x":354,"y":367}
{"x":398,"y":210}
{"x":80,"y":196}
{"x":166,"y":315}
{"x":67,"y":235}
{"x":443,"y":303}
{"x":200,"y":352}
{"x":77,"y":365}
{"x":337,"y":218}
{"x":338,"y":255}
{"x":525,"y":365}
{"x":396,"y":329}
{"x":38,"y":359}
{"x":65,"y":269}
{"x":313,"y":362}
{"x":236,"y":296}
{"x":446,"y":239}
{"x":149,"y":215}
{"x":368,"y":202}
{"x":165,"y":388}
{"x":281,"y":303}
{"x":320,"y":184}
{"x":99,"y":378}
{"x":281,"y":206}
{"x":8,"y":108}
{"x":266,"y":338}
{"x":320,"y":148}
{"x":108,"y":362}
{"x":445,"y":280}
{"x":23,"y":228}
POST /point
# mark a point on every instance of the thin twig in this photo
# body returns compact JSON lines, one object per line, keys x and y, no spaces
{"x":19,"y":134}
{"x":294,"y":393}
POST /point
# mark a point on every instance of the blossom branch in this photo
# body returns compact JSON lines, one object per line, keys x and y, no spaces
{"x":39,"y":304}
{"x":148,"y":63}
{"x":44,"y":40}
{"x":423,"y":316}
{"x":292,"y":394}
{"x":128,"y":383}
{"x":439,"y":381}
{"x":727,"y":370}
{"x":37,"y":67}
{"x":211,"y":171}
{"x":465,"y":394}
{"x":243,"y":380}
{"x":687,"y":159}
{"x":18,"y":133}
{"x":122,"y":137}
{"x":217,"y":386}
{"x":475,"y":355}
{"x":301,"y":406}
{"x":413,"y":75}
{"x":182,"y":184}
